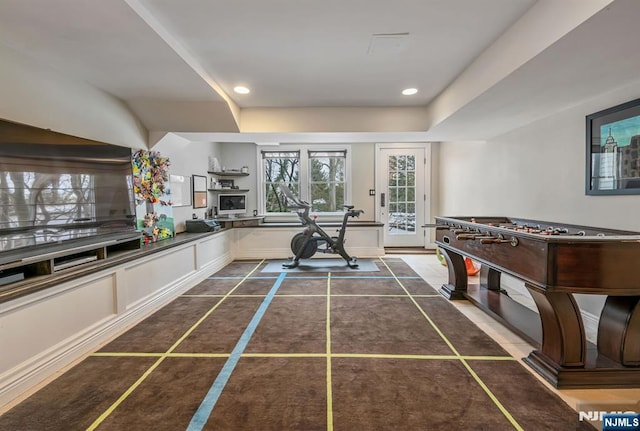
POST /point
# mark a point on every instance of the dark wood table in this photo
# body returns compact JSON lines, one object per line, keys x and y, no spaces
{"x":554,"y":261}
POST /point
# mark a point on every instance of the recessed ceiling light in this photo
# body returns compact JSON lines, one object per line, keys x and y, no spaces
{"x":409,"y":91}
{"x":241,"y":90}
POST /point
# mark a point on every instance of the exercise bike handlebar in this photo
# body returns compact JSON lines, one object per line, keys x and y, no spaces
{"x":354,"y":213}
{"x":290,"y":197}
{"x":306,"y":207}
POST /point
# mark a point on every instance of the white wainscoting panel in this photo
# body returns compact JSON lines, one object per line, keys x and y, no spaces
{"x":43,"y":332}
{"x":29,"y":330}
{"x":214,"y":251}
{"x":157,"y":272}
{"x":274,"y":242}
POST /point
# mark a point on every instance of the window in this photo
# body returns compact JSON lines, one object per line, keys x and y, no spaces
{"x":402,"y":193}
{"x":326,"y":180}
{"x":318,"y":176}
{"x":278,"y":167}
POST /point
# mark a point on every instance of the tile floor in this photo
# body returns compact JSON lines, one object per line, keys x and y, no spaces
{"x":430,"y":269}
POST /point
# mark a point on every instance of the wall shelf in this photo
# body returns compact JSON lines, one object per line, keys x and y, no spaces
{"x":230,"y":173}
{"x":229,"y":190}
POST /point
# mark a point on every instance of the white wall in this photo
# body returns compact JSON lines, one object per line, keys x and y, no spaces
{"x":536,"y":172}
{"x":33,"y":94}
{"x":363,"y":178}
{"x":187,"y":158}
{"x":236,"y":155}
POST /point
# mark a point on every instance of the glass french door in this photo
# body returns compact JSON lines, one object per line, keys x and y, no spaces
{"x":401,"y":195}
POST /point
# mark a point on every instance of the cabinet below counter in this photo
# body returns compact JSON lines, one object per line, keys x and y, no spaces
{"x":46,"y":325}
{"x":273,"y":240}
{"x":240,"y":221}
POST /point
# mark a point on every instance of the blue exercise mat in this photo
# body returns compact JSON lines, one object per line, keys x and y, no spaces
{"x":322,"y":265}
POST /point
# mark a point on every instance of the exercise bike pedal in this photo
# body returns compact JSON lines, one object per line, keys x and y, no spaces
{"x":292,"y":264}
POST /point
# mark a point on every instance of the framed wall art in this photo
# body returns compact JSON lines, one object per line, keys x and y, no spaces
{"x":613,"y":147}
{"x":199,"y":191}
{"x":180,"y":190}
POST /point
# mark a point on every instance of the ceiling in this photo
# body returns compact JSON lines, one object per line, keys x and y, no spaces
{"x":334,"y":68}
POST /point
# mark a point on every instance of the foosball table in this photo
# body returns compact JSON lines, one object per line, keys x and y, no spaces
{"x":554,"y":262}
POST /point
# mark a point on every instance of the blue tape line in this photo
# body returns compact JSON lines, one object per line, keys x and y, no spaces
{"x":201,"y":416}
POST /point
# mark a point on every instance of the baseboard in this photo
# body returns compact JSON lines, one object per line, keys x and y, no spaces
{"x":590,"y":322}
{"x":31,"y":373}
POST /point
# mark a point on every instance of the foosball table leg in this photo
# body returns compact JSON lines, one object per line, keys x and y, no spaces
{"x":619,"y":330}
{"x":489,"y":278}
{"x":457,"y":283}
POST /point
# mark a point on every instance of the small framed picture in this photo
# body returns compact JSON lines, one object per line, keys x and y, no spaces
{"x":180,"y":190}
{"x":226,"y":184}
{"x":199,"y":191}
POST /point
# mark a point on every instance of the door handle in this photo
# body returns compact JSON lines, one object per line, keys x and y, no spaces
{"x":382,"y":200}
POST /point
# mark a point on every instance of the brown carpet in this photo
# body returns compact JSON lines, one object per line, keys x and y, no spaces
{"x":377,"y":350}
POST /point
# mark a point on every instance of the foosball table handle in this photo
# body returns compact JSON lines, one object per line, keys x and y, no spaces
{"x":500,"y":240}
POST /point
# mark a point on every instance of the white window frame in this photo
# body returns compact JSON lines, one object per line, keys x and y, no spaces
{"x":304,"y":173}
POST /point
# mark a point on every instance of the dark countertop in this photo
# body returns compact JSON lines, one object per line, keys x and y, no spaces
{"x":37,"y":283}
{"x":34,"y":284}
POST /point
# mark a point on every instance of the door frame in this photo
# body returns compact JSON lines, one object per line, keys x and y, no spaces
{"x":426,"y":186}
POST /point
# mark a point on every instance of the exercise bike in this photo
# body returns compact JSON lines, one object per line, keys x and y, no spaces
{"x":313,"y":238}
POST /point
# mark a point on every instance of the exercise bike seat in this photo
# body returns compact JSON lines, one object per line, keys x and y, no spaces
{"x":349,"y":207}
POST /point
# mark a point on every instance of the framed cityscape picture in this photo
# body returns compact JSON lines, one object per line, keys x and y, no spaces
{"x":613,"y":150}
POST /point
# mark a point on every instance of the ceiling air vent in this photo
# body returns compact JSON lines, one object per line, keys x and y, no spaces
{"x":387,"y":43}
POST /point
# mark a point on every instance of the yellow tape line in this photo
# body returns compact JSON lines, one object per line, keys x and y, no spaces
{"x":328,"y":354}
{"x":486,"y":389}
{"x":284,"y":355}
{"x":420,"y":357}
{"x":376,"y":356}
{"x":303,"y":355}
{"x":329,"y":380}
{"x":142,"y":378}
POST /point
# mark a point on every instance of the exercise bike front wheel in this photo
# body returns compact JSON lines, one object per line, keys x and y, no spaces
{"x":299,"y":242}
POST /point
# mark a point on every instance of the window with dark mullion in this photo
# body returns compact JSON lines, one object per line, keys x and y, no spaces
{"x":318,"y":176}
{"x":280,"y":167}
{"x":327,"y":180}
